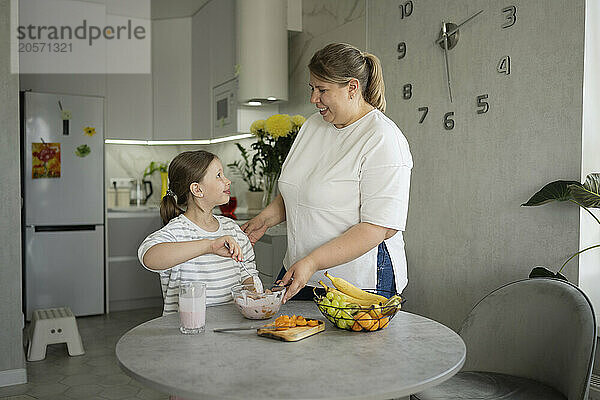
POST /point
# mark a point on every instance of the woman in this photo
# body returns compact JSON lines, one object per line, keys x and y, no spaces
{"x":344,"y":185}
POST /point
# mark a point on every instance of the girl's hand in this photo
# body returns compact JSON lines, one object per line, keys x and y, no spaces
{"x":255,"y":228}
{"x":226,"y":246}
{"x":297,"y":276}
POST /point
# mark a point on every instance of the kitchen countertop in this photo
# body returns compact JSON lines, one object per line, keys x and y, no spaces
{"x":153,"y":211}
{"x":411,"y":354}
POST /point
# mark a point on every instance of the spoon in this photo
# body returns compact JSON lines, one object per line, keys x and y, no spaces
{"x":255,"y":279}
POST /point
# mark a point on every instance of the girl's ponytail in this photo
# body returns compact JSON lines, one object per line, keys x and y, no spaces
{"x":169,"y":208}
{"x":374,"y":93}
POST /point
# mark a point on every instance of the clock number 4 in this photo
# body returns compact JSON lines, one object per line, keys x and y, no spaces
{"x":406,"y":9}
{"x":504,"y":65}
{"x":510,"y":17}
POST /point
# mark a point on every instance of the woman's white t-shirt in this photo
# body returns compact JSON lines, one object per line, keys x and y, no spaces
{"x":332,"y":179}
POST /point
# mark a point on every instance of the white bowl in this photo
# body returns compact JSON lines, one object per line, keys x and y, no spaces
{"x":254,"y":305}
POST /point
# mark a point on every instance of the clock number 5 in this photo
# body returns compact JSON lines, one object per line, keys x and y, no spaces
{"x":448,"y":122}
{"x":482,"y":104}
{"x":511,"y":16}
{"x":406,"y":9}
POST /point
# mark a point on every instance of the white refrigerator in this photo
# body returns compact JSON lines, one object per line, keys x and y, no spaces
{"x":63,"y":215}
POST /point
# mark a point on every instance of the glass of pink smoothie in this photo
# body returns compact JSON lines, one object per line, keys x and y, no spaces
{"x":192,"y":307}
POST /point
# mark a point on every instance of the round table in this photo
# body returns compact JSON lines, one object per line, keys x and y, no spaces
{"x":411,"y":354}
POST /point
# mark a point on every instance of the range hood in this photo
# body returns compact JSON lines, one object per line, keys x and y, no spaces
{"x":262,"y":51}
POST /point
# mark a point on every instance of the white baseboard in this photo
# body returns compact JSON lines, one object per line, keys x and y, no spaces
{"x":13,"y":377}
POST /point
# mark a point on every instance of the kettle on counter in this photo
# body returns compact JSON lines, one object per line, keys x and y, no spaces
{"x":140,"y":192}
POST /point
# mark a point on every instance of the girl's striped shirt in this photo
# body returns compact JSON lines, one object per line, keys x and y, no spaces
{"x":219,"y":273}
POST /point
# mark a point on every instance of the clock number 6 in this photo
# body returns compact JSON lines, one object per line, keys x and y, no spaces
{"x":484,"y":106}
{"x":448,"y":122}
{"x":406,"y":9}
{"x":511,"y":16}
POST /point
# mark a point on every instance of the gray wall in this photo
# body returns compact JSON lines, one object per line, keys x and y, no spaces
{"x":323,"y":22}
{"x":466,"y":233}
{"x":12,"y":362}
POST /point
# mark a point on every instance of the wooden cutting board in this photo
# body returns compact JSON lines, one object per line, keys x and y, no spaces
{"x":292,"y":334}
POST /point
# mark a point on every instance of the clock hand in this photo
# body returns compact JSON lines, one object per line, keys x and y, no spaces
{"x":453,"y":31}
{"x":445,"y":39}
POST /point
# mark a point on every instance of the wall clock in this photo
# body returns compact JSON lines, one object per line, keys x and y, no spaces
{"x":455,"y":62}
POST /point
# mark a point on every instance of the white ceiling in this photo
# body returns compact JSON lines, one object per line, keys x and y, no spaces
{"x":158,"y":9}
{"x":175,"y":8}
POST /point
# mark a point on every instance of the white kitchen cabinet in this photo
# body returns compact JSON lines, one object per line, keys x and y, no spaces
{"x":269,"y":252}
{"x":201,"y":82}
{"x":172,"y":78}
{"x":222,"y":40}
{"x":129,"y":106}
{"x":130,"y":285}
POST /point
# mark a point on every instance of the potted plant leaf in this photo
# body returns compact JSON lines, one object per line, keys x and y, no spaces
{"x":161,"y":167}
{"x":250,"y":172}
{"x":586,"y":196}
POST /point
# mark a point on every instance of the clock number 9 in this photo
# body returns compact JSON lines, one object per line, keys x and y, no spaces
{"x":448,"y":122}
{"x":483,"y":104}
{"x":406,"y":9}
{"x":407,"y":91}
{"x":511,"y":16}
{"x":401,"y":50}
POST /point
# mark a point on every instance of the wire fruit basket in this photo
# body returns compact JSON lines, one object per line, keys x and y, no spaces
{"x":354,"y":317}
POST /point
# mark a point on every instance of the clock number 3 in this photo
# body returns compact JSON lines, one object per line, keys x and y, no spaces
{"x":511,"y":16}
{"x":406,"y":9}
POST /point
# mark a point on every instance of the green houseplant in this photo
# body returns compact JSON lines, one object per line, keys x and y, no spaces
{"x":161,"y":167}
{"x":586,"y":196}
{"x":248,"y":170}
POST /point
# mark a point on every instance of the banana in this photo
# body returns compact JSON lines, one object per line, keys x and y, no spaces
{"x":352,"y":291}
{"x":347,"y":298}
{"x":392,"y":305}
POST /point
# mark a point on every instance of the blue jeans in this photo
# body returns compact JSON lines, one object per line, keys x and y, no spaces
{"x":386,"y":282}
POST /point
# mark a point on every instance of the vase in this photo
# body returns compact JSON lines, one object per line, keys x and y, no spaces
{"x":254,"y":201}
{"x":164,"y":183}
{"x":270,"y":187}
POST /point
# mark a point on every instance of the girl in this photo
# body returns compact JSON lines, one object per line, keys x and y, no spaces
{"x":195,"y":245}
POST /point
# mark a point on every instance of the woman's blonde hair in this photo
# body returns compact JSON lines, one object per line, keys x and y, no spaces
{"x":340,"y":62}
{"x":186,"y":168}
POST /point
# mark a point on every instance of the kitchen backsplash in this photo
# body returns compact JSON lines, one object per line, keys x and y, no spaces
{"x":129,"y":161}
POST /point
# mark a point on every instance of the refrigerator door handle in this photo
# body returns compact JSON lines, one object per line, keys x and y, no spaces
{"x":64,"y":228}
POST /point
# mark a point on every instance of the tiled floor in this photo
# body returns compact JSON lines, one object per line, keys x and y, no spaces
{"x":92,"y":376}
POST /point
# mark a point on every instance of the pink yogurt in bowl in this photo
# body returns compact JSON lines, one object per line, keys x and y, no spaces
{"x":254,"y":305}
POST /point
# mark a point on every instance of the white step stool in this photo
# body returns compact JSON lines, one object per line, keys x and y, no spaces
{"x":54,"y":325}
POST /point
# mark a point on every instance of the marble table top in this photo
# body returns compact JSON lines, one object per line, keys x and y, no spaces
{"x":411,"y":354}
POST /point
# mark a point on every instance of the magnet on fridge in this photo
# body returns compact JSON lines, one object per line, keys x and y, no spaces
{"x":89,"y":131}
{"x":83,"y":150}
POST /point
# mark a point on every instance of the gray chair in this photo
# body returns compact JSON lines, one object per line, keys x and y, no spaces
{"x":530,"y":339}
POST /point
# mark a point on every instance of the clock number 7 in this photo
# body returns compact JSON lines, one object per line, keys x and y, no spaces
{"x":511,"y":16}
{"x":424,"y":110}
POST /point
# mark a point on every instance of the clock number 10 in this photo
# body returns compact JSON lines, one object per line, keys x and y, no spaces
{"x":406,"y":9}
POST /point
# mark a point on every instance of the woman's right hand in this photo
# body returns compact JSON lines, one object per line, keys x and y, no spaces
{"x":255,"y":228}
{"x":226,"y":246}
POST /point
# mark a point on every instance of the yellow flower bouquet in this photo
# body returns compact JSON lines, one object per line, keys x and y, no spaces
{"x":275,"y":137}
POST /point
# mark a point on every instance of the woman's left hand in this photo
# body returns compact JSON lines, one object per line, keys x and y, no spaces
{"x":297,"y":276}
